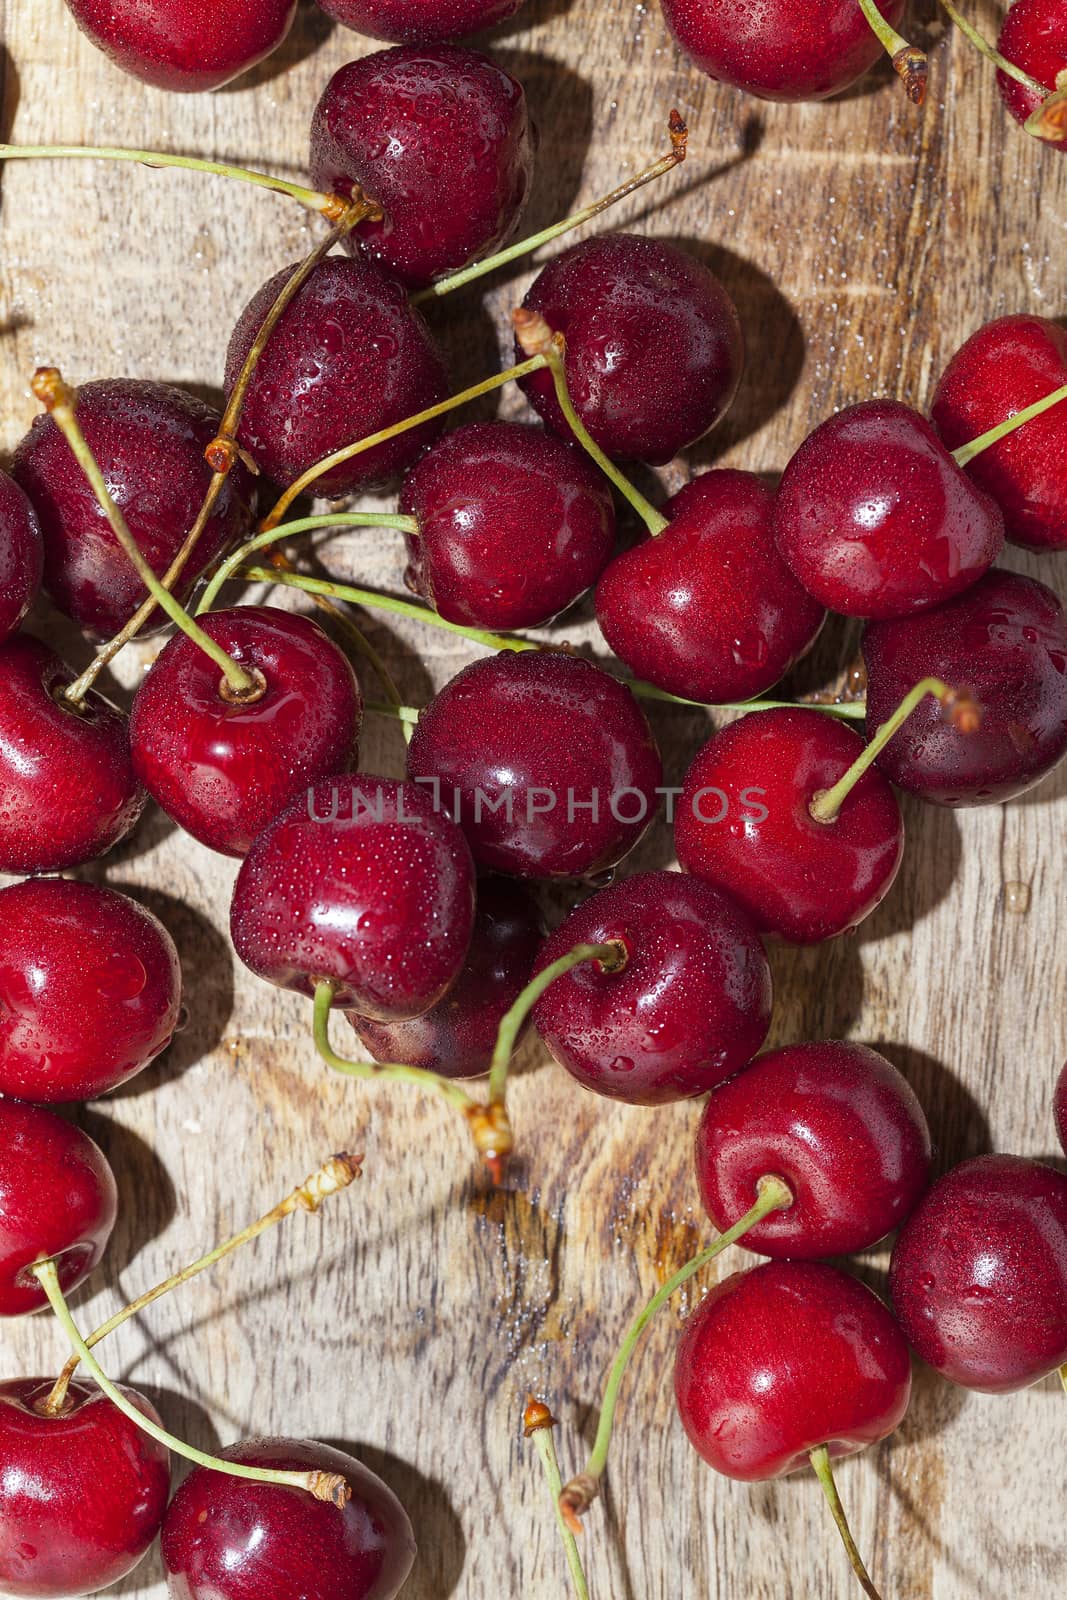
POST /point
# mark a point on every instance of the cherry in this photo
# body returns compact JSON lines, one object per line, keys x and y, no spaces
{"x":457,"y":1037}
{"x":223,"y":767}
{"x":689,"y":1006}
{"x":1006,"y":640}
{"x":978,"y":1277}
{"x":707,"y":609}
{"x":654,"y":346}
{"x":419,"y":21}
{"x":439,"y":138}
{"x":185,"y":45}
{"x":227,"y":1538}
{"x":1034,"y":37}
{"x":82,"y":1495}
{"x":1059,"y":1107}
{"x":149,"y":440}
{"x":348,"y":357}
{"x":362,"y":882}
{"x":513,"y":526}
{"x":840,"y":1125}
{"x":547,"y":762}
{"x":21,"y":555}
{"x":67,"y":786}
{"x":1001,"y":369}
{"x":57,"y":1198}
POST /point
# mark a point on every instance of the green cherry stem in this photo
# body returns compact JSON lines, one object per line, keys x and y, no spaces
{"x":967,"y":452}
{"x":409,"y":715}
{"x":820,"y":1460}
{"x":610,"y":957}
{"x":909,"y":62}
{"x":289,"y":530}
{"x":537,"y":1424}
{"x":1049,"y":120}
{"x":772,"y":1194}
{"x":981,"y":43}
{"x":326,"y":1486}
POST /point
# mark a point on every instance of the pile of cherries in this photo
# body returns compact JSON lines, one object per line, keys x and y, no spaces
{"x":408,"y":905}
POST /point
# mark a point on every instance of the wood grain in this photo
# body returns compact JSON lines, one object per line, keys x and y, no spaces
{"x":862,"y":241}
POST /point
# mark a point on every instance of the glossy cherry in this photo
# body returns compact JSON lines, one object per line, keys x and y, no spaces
{"x":419,"y":21}
{"x":224,"y":768}
{"x":875,"y":518}
{"x":228,"y":1538}
{"x":654,"y":346}
{"x":1033,"y":36}
{"x":149,"y":440}
{"x":548,"y":763}
{"x":708,"y":609}
{"x":185,"y":45}
{"x":743,"y":824}
{"x":82,"y":1495}
{"x":978,"y":1277}
{"x":364,"y":882}
{"x":57,"y":1198}
{"x":457,"y":1037}
{"x":439,"y":137}
{"x":348,"y":357}
{"x":1003,"y":368}
{"x":1005,"y":640}
{"x":90,"y":989}
{"x":21,"y":555}
{"x":779,"y":50}
{"x":68,"y":791}
{"x":514,"y":526}
{"x":690,"y":1005}
{"x":1059,"y":1107}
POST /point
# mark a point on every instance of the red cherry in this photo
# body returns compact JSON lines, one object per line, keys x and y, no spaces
{"x":690,"y":1006}
{"x":876,"y":519}
{"x":348,"y":357}
{"x":514,"y":526}
{"x":229,"y":1538}
{"x":548,"y":763}
{"x":840,"y":1125}
{"x":223,"y":769}
{"x":1034,"y":37}
{"x":457,"y":1037}
{"x":21,"y":555}
{"x":782,"y":1359}
{"x":979,"y":1274}
{"x":1006,"y":641}
{"x":82,"y":1495}
{"x":637,"y":315}
{"x":1059,"y":1107}
{"x":67,"y":787}
{"x":743,"y":823}
{"x":185,"y":45}
{"x":57,"y":1198}
{"x":149,"y":440}
{"x":419,"y":21}
{"x":1002,"y":369}
{"x":90,"y":989}
{"x":364,"y":882}
{"x":439,"y":137}
{"x":708,"y":609}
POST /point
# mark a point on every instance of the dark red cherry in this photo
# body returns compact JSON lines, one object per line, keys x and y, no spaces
{"x":227,"y":1538}
{"x":654,"y":347}
{"x":457,"y":1037}
{"x":149,"y":440}
{"x":708,"y":609}
{"x":185,"y":45}
{"x":840,"y":1125}
{"x":1034,"y":37}
{"x":57,"y":1198}
{"x":21,"y":555}
{"x":67,"y":786}
{"x":223,"y":769}
{"x":1002,"y":369}
{"x":1059,"y":1107}
{"x":514,"y":525}
{"x":1005,"y":641}
{"x":782,"y":1359}
{"x":419,"y":21}
{"x":876,"y":519}
{"x":548,"y":764}
{"x":90,"y":989}
{"x":690,"y":1006}
{"x":440,"y":138}
{"x":349,"y":357}
{"x":362,"y":881}
{"x":979,"y":1274}
{"x":743,"y":823}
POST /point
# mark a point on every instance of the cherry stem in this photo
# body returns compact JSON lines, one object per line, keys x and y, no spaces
{"x":537,"y":1424}
{"x":328,"y":1486}
{"x":679,"y":136}
{"x":610,"y":957}
{"x":333,"y":1176}
{"x":967,"y":452}
{"x":287,"y":530}
{"x":981,"y":43}
{"x":909,"y":62}
{"x":1049,"y":120}
{"x":772,"y":1194}
{"x":820,"y":1460}
{"x":1063,"y":1377}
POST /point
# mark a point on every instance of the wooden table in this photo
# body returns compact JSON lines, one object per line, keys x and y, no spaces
{"x":862,"y":242}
